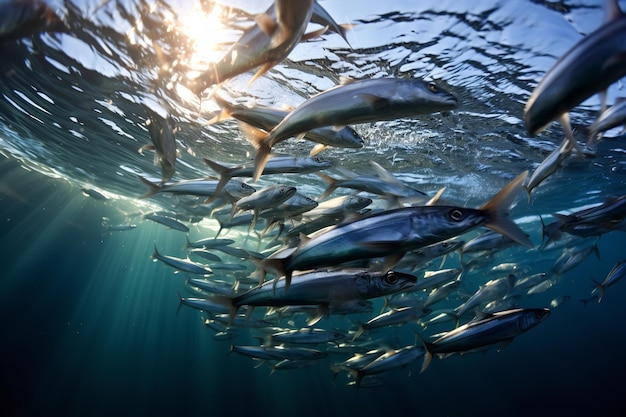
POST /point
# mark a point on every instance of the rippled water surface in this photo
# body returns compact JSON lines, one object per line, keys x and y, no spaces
{"x":91,"y":324}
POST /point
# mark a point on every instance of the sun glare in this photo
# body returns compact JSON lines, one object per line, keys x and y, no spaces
{"x":207,"y":33}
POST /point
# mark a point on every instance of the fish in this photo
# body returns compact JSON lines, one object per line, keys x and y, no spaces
{"x":323,"y":288}
{"x":168,"y":221}
{"x":392,"y":233}
{"x":588,"y":67}
{"x":265,"y":44}
{"x":279,"y":353}
{"x":549,"y":165}
{"x":484,"y":330}
{"x":231,"y":190}
{"x":306,"y":335}
{"x":394,"y":316}
{"x":266,"y":118}
{"x":184,"y":265}
{"x":492,"y":290}
{"x":612,"y":117}
{"x":392,"y":359}
{"x":277,"y":165}
{"x":361,"y":101}
{"x":163,"y":144}
{"x":615,"y":274}
{"x":263,"y":199}
{"x":95,"y":194}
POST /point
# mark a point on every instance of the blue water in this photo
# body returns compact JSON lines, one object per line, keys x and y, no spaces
{"x":90,"y":325}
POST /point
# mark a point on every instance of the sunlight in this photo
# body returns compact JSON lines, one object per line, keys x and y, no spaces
{"x":206,"y":32}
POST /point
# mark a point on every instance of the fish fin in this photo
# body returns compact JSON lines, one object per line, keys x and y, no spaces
{"x":153,"y":188}
{"x":569,"y":134}
{"x":260,"y":160}
{"x":317,"y":149}
{"x":315,"y":34}
{"x":391,"y":260}
{"x":322,"y":310}
{"x":376,"y":102}
{"x":254,"y":135}
{"x":266,"y":23}
{"x":148,"y":147}
{"x":504,"y":344}
{"x":498,"y":212}
{"x":332,"y":185}
{"x":343,"y":80}
{"x":224,"y":114}
{"x":480,"y":315}
{"x":436,"y":197}
{"x":266,"y":67}
{"x":428,"y":355}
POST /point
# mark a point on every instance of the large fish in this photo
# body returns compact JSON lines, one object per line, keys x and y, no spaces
{"x":590,"y":66}
{"x":362,"y":101}
{"x":484,"y":330}
{"x":265,"y":44}
{"x":324,"y":288}
{"x":394,"y":232}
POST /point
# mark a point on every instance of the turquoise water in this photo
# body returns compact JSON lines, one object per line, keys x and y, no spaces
{"x":91,"y":323}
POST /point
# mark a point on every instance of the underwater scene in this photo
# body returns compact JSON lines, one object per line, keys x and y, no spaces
{"x":305,"y":208}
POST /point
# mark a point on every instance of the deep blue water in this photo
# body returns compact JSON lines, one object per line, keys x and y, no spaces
{"x":90,"y":325}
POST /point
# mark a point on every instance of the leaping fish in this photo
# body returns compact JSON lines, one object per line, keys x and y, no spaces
{"x":362,"y":101}
{"x":265,"y":44}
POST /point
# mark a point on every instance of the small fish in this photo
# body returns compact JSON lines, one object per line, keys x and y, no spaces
{"x":486,"y":329}
{"x":362,"y":101}
{"x":168,"y":221}
{"x":279,"y":353}
{"x":96,"y":195}
{"x":617,"y":273}
{"x":612,"y":117}
{"x":184,"y":265}
{"x":163,"y":144}
{"x":266,"y":198}
{"x":307,"y":335}
{"x":590,"y":66}
{"x":232,"y":190}
{"x":392,"y":317}
{"x":549,"y":165}
{"x":492,"y":290}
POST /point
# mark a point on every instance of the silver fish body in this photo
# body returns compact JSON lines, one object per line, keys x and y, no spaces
{"x":356,"y":102}
{"x":590,"y":66}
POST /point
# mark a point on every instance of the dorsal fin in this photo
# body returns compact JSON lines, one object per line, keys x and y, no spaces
{"x":612,"y":12}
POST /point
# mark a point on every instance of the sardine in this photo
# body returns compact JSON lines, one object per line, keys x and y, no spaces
{"x":360,"y":101}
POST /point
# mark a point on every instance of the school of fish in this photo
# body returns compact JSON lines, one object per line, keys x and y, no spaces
{"x":317,"y":279}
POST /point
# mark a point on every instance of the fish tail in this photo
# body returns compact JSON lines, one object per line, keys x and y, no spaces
{"x":497,"y":210}
{"x":428,"y":355}
{"x":226,"y":110}
{"x":272,"y":265}
{"x":180,"y":302}
{"x":600,"y":288}
{"x":155,"y":255}
{"x":153,"y":188}
{"x":332,"y":185}
{"x":225,"y":176}
{"x":262,"y":155}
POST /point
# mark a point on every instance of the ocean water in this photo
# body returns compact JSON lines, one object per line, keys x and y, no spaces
{"x":92,"y":326}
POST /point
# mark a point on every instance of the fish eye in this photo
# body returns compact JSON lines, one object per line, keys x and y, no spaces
{"x":433,"y":87}
{"x":391,"y":278}
{"x":455,"y":214}
{"x":444,"y":244}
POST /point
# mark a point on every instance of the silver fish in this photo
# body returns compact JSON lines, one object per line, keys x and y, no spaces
{"x":484,"y":330}
{"x":184,"y":265}
{"x":278,"y":353}
{"x":168,"y":221}
{"x":394,"y":232}
{"x":590,"y":66}
{"x":617,"y":273}
{"x":163,"y":143}
{"x":360,"y":101}
{"x":612,"y":117}
{"x":264,"y":44}
{"x":307,"y":335}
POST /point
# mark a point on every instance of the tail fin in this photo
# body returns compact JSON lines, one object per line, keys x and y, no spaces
{"x":600,"y":288}
{"x":428,"y":356}
{"x":498,"y":212}
{"x":258,"y":138}
{"x":332,"y":185}
{"x":153,"y":188}
{"x":225,"y":176}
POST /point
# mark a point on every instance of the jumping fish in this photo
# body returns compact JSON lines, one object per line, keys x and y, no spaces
{"x":590,"y":66}
{"x":362,"y":101}
{"x":264,"y":44}
{"x":394,"y":232}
